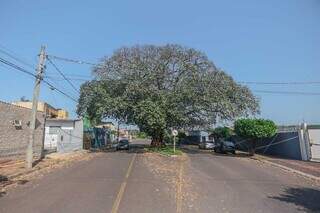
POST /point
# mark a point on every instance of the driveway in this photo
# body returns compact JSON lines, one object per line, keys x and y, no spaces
{"x":135,"y":181}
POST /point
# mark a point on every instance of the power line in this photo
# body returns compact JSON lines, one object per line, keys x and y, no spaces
{"x":72,"y":60}
{"x":16,"y":67}
{"x":280,"y":83}
{"x":60,"y":91}
{"x":11,"y":54}
{"x":74,"y":75}
{"x":71,"y":79}
{"x":61,"y":73}
{"x":287,"y":92}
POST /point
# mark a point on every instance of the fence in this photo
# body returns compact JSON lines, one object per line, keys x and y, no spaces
{"x":96,"y":138}
{"x":289,"y":142}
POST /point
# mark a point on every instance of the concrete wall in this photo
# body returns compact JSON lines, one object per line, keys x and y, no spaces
{"x":283,"y":144}
{"x":69,"y":134}
{"x":13,"y":140}
{"x":314,"y":138}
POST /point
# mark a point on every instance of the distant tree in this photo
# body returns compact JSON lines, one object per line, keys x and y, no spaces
{"x":24,"y":99}
{"x":254,"y":130}
{"x":163,"y":87}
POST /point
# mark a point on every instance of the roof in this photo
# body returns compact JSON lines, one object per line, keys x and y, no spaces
{"x":66,"y":120}
{"x":13,"y":105}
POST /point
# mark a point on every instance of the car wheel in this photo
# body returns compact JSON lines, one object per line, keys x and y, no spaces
{"x":233,"y":152}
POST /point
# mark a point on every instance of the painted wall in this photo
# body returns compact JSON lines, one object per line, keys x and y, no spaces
{"x":283,"y":144}
{"x":68,"y":133}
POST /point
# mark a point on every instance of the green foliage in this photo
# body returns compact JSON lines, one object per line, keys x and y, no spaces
{"x":181,"y":135}
{"x":167,"y":150}
{"x":163,"y":87}
{"x":222,"y":132}
{"x":255,"y":128}
{"x":141,"y":135}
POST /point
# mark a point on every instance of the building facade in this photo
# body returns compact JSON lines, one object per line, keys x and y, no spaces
{"x":47,"y":109}
{"x":63,"y":135}
{"x":15,"y":131}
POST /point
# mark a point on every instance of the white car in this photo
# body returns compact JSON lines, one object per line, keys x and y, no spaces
{"x":206,"y":145}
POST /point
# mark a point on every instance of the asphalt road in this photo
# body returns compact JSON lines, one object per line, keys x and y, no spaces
{"x":238,"y":184}
{"x":122,"y":182}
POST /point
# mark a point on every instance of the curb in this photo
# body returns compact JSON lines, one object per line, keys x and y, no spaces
{"x":287,"y":168}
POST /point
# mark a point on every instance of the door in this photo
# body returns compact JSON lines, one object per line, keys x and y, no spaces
{"x":51,"y":141}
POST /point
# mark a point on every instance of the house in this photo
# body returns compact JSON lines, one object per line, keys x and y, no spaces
{"x":63,"y":135}
{"x":15,"y":131}
{"x":196,"y":136}
{"x":46,"y":108}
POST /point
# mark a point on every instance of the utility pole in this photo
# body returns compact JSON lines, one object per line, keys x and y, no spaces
{"x":36,"y":91}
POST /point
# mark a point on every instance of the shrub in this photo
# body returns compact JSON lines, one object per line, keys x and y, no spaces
{"x":254,"y":130}
{"x":141,"y":135}
{"x":222,"y":132}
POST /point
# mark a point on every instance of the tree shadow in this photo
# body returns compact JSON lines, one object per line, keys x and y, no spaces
{"x":195,"y":150}
{"x":3,"y":178}
{"x":3,"y":193}
{"x":133,"y":148}
{"x":307,"y":199}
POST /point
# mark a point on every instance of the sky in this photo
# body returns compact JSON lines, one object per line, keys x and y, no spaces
{"x":253,"y":41}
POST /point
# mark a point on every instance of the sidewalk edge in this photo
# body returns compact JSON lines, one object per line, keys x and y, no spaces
{"x":286,"y":168}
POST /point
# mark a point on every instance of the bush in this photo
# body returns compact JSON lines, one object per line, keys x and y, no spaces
{"x":222,"y":132}
{"x":141,"y":135}
{"x":255,"y":130}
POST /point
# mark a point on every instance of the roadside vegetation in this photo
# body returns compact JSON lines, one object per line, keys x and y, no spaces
{"x":166,"y":150}
{"x":220,"y":133}
{"x":254,"y":130}
{"x":141,"y":135}
{"x":159,"y":88}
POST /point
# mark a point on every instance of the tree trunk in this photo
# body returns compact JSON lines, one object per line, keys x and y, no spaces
{"x":253,"y":147}
{"x":157,"y":141}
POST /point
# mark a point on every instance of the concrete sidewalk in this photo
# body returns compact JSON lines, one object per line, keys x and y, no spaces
{"x":306,"y":168}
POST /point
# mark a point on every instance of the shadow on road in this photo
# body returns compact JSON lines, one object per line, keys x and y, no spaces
{"x":307,"y":199}
{"x":134,"y":148}
{"x":190,"y":149}
{"x":3,"y":178}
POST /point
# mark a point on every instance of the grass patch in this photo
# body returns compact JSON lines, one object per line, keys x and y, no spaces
{"x":167,"y":150}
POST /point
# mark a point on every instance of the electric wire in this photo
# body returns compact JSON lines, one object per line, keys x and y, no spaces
{"x":11,"y":54}
{"x":61,"y":73}
{"x":18,"y":68}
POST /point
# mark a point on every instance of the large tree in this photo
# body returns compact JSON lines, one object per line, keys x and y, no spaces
{"x":163,"y":87}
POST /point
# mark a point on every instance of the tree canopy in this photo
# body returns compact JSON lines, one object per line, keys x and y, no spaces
{"x":163,"y":87}
{"x":254,"y":130}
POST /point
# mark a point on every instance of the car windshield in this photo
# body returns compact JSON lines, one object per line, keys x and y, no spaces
{"x":228,"y":143}
{"x":124,"y":141}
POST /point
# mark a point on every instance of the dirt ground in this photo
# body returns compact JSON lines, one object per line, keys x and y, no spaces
{"x":13,"y":172}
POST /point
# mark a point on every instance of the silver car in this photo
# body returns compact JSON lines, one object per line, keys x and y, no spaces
{"x":206,"y":145}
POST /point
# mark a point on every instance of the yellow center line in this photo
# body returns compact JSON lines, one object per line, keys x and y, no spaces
{"x":116,"y":203}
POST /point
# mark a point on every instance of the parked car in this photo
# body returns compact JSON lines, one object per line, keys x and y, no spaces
{"x":206,"y":145}
{"x":224,"y":147}
{"x":123,"y":144}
